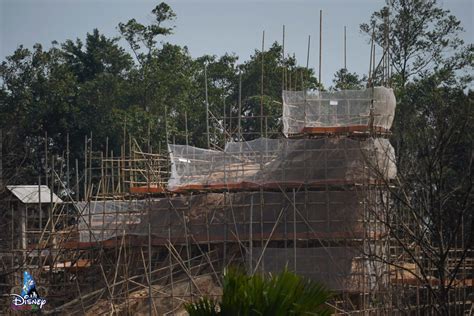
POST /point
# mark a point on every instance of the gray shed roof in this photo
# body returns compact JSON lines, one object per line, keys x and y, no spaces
{"x":29,"y":194}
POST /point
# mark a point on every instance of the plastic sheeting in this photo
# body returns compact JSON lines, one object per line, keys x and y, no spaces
{"x":347,"y":108}
{"x":275,"y":163}
{"x":283,"y":217}
{"x":231,"y":216}
{"x":103,"y":220}
{"x":340,"y":268}
{"x":331,"y":266}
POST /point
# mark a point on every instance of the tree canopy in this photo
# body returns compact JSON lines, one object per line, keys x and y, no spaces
{"x":153,"y":89}
{"x":94,"y":88}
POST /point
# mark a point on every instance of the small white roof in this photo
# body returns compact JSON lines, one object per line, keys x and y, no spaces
{"x":28,"y":194}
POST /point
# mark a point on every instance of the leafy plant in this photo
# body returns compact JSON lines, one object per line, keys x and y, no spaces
{"x":273,"y":295}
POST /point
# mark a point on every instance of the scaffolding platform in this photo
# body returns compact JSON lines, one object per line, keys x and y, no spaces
{"x":281,"y":164}
{"x":338,"y":112}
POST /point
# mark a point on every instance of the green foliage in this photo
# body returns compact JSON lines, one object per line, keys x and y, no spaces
{"x":95,"y":87}
{"x":345,"y":80}
{"x":203,"y":307}
{"x":434,"y":138}
{"x":281,"y":294}
{"x":419,"y":33}
{"x":140,"y":36}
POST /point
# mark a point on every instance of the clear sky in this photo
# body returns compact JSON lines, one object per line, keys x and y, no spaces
{"x":213,"y":27}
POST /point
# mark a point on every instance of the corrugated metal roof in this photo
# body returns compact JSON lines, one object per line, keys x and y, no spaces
{"x":29,"y":194}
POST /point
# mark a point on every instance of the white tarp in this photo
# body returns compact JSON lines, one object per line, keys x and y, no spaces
{"x":344,"y":108}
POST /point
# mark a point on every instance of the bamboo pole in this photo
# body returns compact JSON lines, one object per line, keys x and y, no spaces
{"x":320,"y":43}
{"x":283,"y":79}
{"x":207,"y":107}
{"x":240,"y":107}
{"x":261,"y":86}
{"x":67,"y":162}
{"x":186,"y":127}
{"x":150,"y":299}
{"x":90,"y":168}
{"x":77,"y":180}
{"x":46,"y":158}
{"x":307,"y":55}
{"x":294,"y":230}
{"x":345,"y":49}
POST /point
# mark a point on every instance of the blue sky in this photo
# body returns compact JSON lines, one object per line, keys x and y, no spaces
{"x":213,"y":27}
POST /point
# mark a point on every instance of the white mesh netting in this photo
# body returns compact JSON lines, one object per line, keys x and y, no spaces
{"x":244,"y":216}
{"x":339,"y":109}
{"x":272,"y":163}
{"x":102,"y":220}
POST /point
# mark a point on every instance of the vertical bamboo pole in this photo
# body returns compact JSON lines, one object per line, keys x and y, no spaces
{"x":283,"y":74}
{"x":23,"y":225}
{"x":166,"y":126}
{"x":188,"y":248}
{"x":102,"y":182}
{"x":224,"y":129}
{"x":230,"y":121}
{"x":121,"y":164}
{"x":131,"y":161}
{"x":90,"y":168}
{"x":374,"y":70}
{"x":294,"y":230}
{"x":39,"y":204}
{"x":369,"y":81}
{"x":148,"y":140}
{"x":251,"y":236}
{"x":345,"y":49}
{"x":107,"y":165}
{"x":77,"y":180}
{"x":51,"y":206}
{"x":240,"y":106}
{"x":67,"y":162}
{"x":46,"y":157}
{"x":171,"y":264}
{"x":207,"y":107}
{"x":224,"y":255}
{"x":320,"y":42}
{"x":307,"y":55}
{"x":112,"y":166}
{"x":150,"y":298}
{"x":261,"y":86}
{"x":85,"y":167}
{"x":186,"y":127}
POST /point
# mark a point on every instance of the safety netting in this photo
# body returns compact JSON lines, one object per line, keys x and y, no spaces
{"x":275,"y":163}
{"x":234,"y":216}
{"x":103,"y":220}
{"x":338,"y":268}
{"x":231,"y":216}
{"x":334,"y":111}
{"x":304,"y":217}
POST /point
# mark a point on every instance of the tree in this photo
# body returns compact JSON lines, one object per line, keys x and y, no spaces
{"x":97,"y":56}
{"x":345,"y":80}
{"x":419,"y":35}
{"x":69,"y":89}
{"x":141,"y":37}
{"x":275,"y":68}
{"x":38,"y":90}
{"x":142,"y":40}
{"x":430,"y":218}
{"x":281,"y":294}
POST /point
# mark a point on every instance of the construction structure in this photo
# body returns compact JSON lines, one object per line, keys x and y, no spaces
{"x":145,"y":232}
